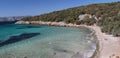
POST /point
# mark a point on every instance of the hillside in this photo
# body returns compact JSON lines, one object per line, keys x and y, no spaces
{"x":108,"y":14}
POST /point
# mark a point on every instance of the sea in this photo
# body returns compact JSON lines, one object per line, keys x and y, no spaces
{"x":41,"y":41}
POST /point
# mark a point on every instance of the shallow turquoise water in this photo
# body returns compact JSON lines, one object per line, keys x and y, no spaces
{"x":53,"y":42}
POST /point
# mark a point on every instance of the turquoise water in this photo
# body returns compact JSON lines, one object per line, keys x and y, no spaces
{"x":52,"y":42}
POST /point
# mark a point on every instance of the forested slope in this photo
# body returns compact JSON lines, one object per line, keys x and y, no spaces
{"x":108,"y":12}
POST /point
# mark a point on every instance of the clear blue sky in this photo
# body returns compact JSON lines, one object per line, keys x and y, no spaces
{"x":36,"y":7}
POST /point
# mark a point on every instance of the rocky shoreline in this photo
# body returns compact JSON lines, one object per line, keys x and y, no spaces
{"x":48,"y":23}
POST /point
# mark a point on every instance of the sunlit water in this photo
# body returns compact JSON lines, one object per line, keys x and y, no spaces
{"x":52,"y":42}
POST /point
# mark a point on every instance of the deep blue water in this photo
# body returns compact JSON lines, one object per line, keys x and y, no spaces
{"x":7,"y":22}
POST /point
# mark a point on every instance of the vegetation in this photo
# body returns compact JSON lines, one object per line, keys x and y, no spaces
{"x":88,"y":21}
{"x":108,"y":12}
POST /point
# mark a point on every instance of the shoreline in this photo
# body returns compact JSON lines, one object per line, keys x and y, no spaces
{"x":107,"y":47}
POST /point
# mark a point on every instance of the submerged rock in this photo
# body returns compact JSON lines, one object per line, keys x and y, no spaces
{"x":18,"y":38}
{"x":0,"y":41}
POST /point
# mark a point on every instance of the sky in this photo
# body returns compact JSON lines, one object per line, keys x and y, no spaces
{"x":37,"y":7}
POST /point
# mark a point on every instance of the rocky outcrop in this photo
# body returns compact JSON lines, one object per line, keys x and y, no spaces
{"x":88,"y":16}
{"x":84,"y":16}
{"x":22,"y":22}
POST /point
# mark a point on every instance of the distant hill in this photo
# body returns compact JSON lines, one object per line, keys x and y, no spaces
{"x":4,"y":19}
{"x":108,"y":14}
{"x":10,"y":20}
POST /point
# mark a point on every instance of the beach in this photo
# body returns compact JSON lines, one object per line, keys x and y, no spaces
{"x":109,"y":46}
